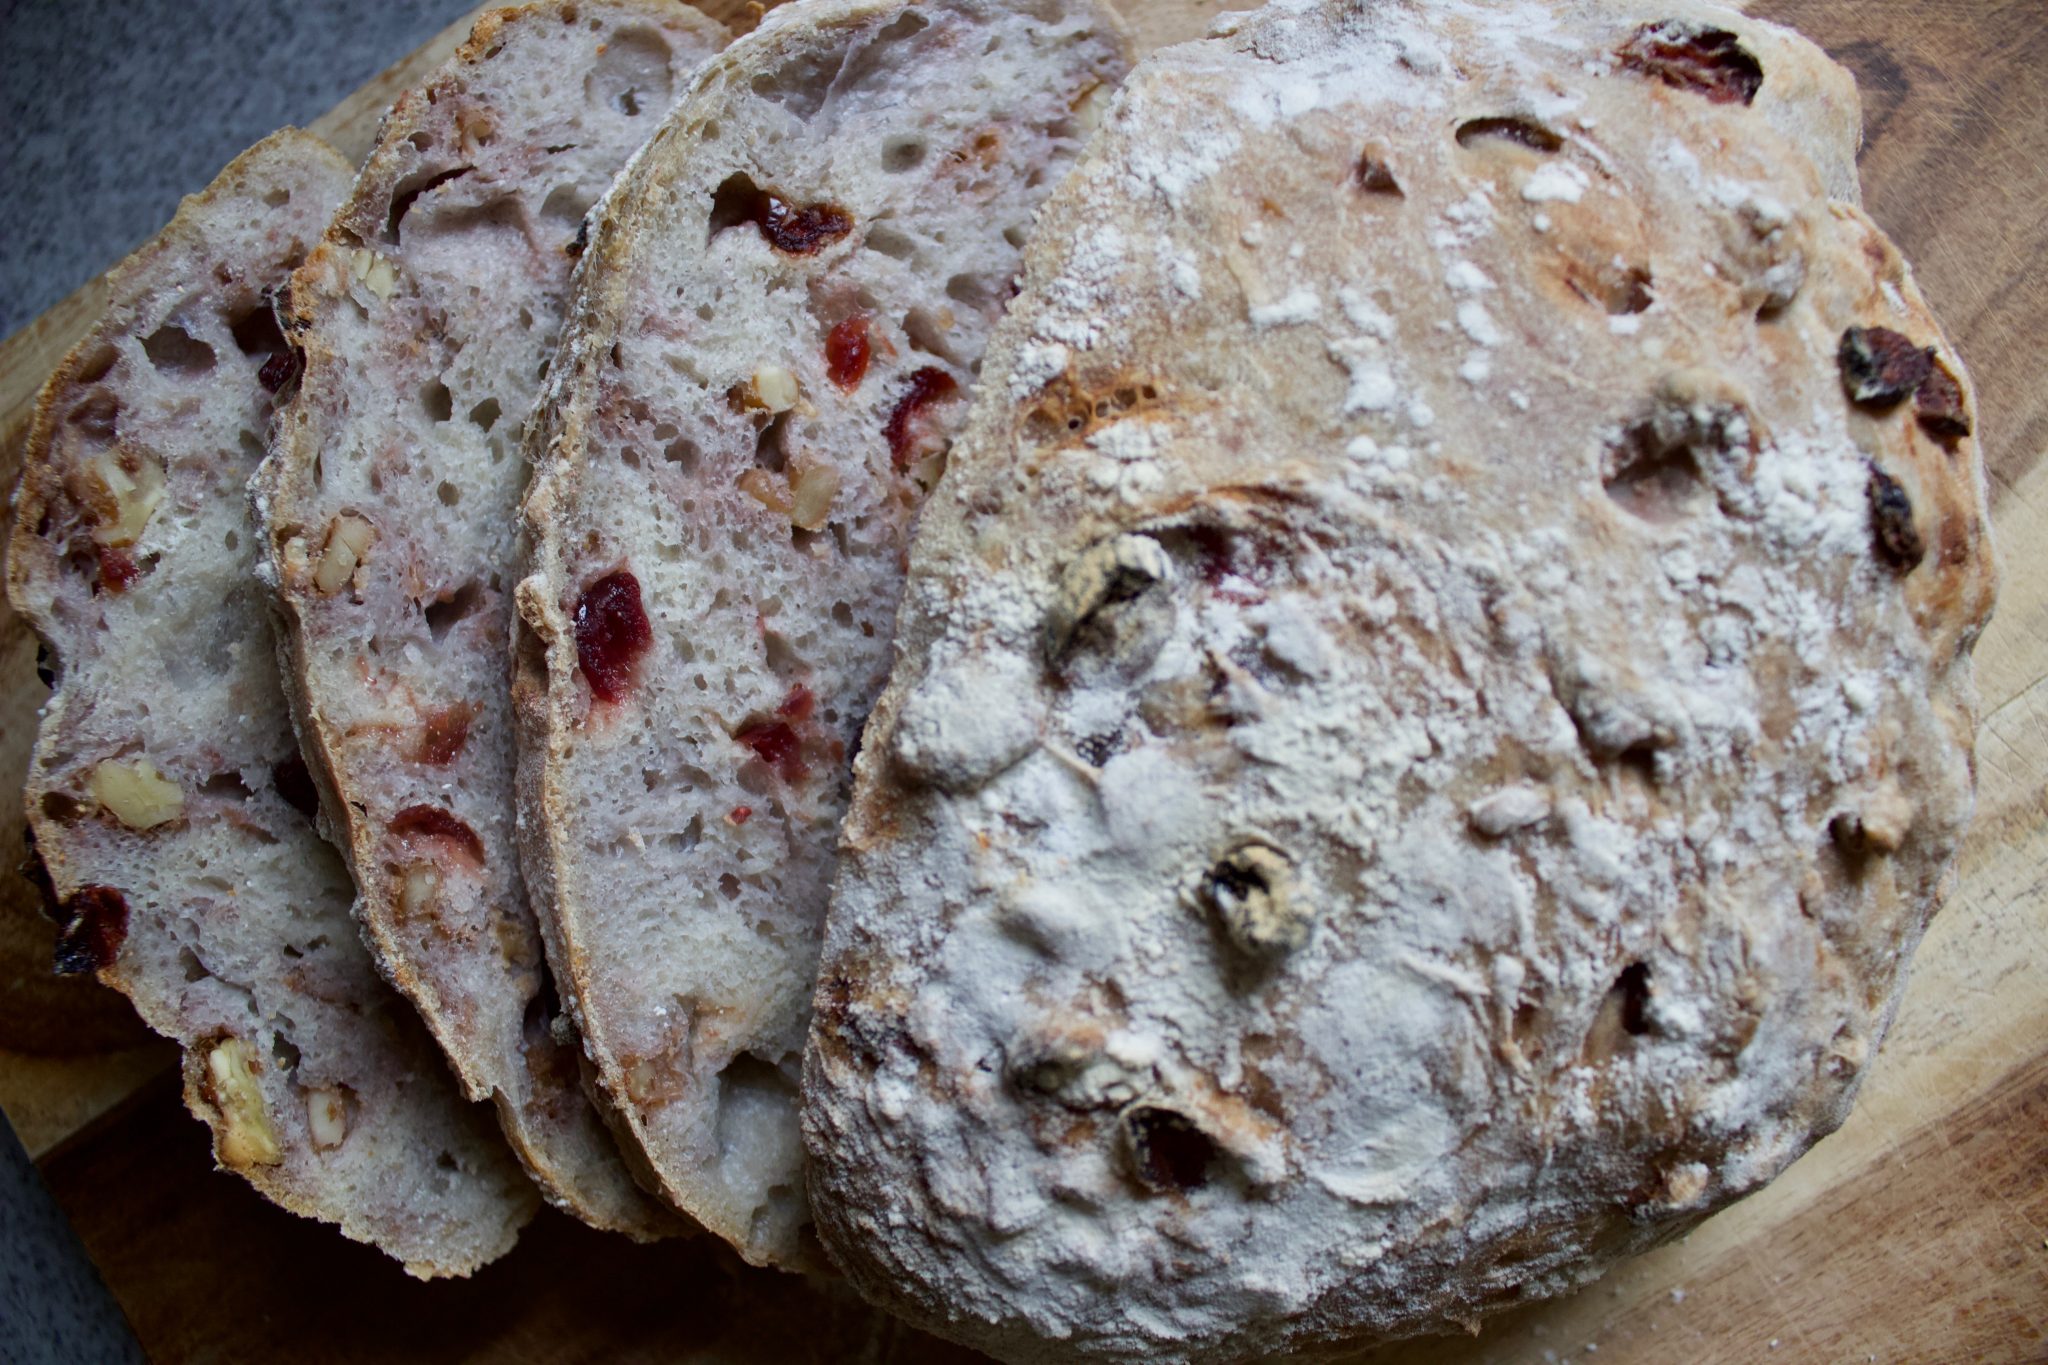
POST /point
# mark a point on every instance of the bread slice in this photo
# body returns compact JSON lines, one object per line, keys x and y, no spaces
{"x":778,"y":323}
{"x":167,"y":795}
{"x":427,"y":316}
{"x":1431,"y":711}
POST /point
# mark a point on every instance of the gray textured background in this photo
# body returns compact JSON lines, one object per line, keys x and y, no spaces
{"x":113,"y":110}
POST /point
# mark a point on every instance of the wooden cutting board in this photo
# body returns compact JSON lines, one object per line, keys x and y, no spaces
{"x":1917,"y":1233}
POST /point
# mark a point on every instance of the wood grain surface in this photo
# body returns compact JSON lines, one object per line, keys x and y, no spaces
{"x":1917,"y":1233}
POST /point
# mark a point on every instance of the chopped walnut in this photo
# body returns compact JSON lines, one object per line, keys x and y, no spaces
{"x":349,"y":537}
{"x":244,"y":1136}
{"x":136,"y":794}
{"x":1111,"y":571}
{"x":327,"y":1117}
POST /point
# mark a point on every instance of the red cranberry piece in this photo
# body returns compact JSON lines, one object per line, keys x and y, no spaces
{"x":1897,"y":540}
{"x":611,"y":634}
{"x":741,"y":814}
{"x":436,"y":822}
{"x":1706,"y":61}
{"x":1939,"y":403}
{"x":443,"y":734}
{"x":94,"y":925}
{"x":117,"y":569}
{"x":846,"y":352}
{"x":775,"y":743}
{"x":282,"y":370}
{"x":798,"y":705}
{"x":927,"y":386}
{"x":1882,"y":367}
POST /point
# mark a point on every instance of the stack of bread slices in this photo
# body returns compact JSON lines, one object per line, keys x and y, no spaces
{"x":1243,"y":706}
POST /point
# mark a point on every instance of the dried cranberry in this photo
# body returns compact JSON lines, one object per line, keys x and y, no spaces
{"x":799,"y":231}
{"x":1891,"y":523}
{"x":435,"y":822}
{"x":798,"y":705}
{"x":282,"y":370}
{"x":775,"y":742}
{"x":1881,"y":367}
{"x":443,"y":733}
{"x":1375,"y":176}
{"x":741,"y":814}
{"x":117,"y":570}
{"x":611,"y":633}
{"x":846,"y":352}
{"x":1939,"y":402}
{"x":1705,"y":61}
{"x":93,"y":927}
{"x":294,"y":782}
{"x":927,"y":386}
{"x":1523,"y":132}
{"x":1168,"y":1153}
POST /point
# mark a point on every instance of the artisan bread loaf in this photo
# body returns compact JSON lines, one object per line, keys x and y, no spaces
{"x":167,"y":796}
{"x":1433,"y":703}
{"x":779,"y":318}
{"x":427,"y":317}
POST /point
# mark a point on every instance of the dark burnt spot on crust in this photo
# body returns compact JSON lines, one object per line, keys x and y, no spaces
{"x":1694,"y":58}
{"x":1896,"y":539}
{"x":1882,"y":368}
{"x":92,"y":925}
{"x":435,"y":822}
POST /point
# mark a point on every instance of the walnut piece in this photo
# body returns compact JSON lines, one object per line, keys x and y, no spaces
{"x":772,"y":388}
{"x":244,"y":1137}
{"x":327,"y":1117}
{"x":375,"y":272}
{"x":1256,"y":895}
{"x":133,"y":485}
{"x":136,"y":794}
{"x":1110,"y":571}
{"x":348,"y":543}
{"x":417,"y":887}
{"x":811,"y":495}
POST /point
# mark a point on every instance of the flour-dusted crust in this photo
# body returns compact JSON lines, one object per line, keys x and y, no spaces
{"x":1427,"y":721}
{"x":779,"y":319}
{"x":427,"y":317}
{"x":167,"y":795}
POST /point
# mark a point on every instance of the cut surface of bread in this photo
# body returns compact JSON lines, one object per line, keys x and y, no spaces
{"x":426,"y":317}
{"x":1433,"y":703}
{"x":167,"y":795}
{"x":779,"y":318}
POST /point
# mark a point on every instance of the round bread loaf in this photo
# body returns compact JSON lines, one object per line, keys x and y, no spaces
{"x":1432,"y":706}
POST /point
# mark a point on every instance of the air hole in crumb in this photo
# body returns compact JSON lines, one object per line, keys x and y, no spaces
{"x":277,"y":198}
{"x":1168,"y":1153}
{"x":231,"y":542}
{"x":753,"y":1096}
{"x":902,"y":154}
{"x":448,"y":493}
{"x":439,"y":403}
{"x":729,"y":886}
{"x":444,"y":612}
{"x":486,"y":413}
{"x":190,"y":967}
{"x":1522,"y":132}
{"x":1654,"y":481}
{"x":226,"y":786}
{"x":446,"y":1161}
{"x":256,"y":331}
{"x":287,"y":1055}
{"x":173,"y":350}
{"x":1633,"y":990}
{"x":842,"y":614}
{"x":971,"y":290}
{"x":768,"y":452}
{"x":891,"y":242}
